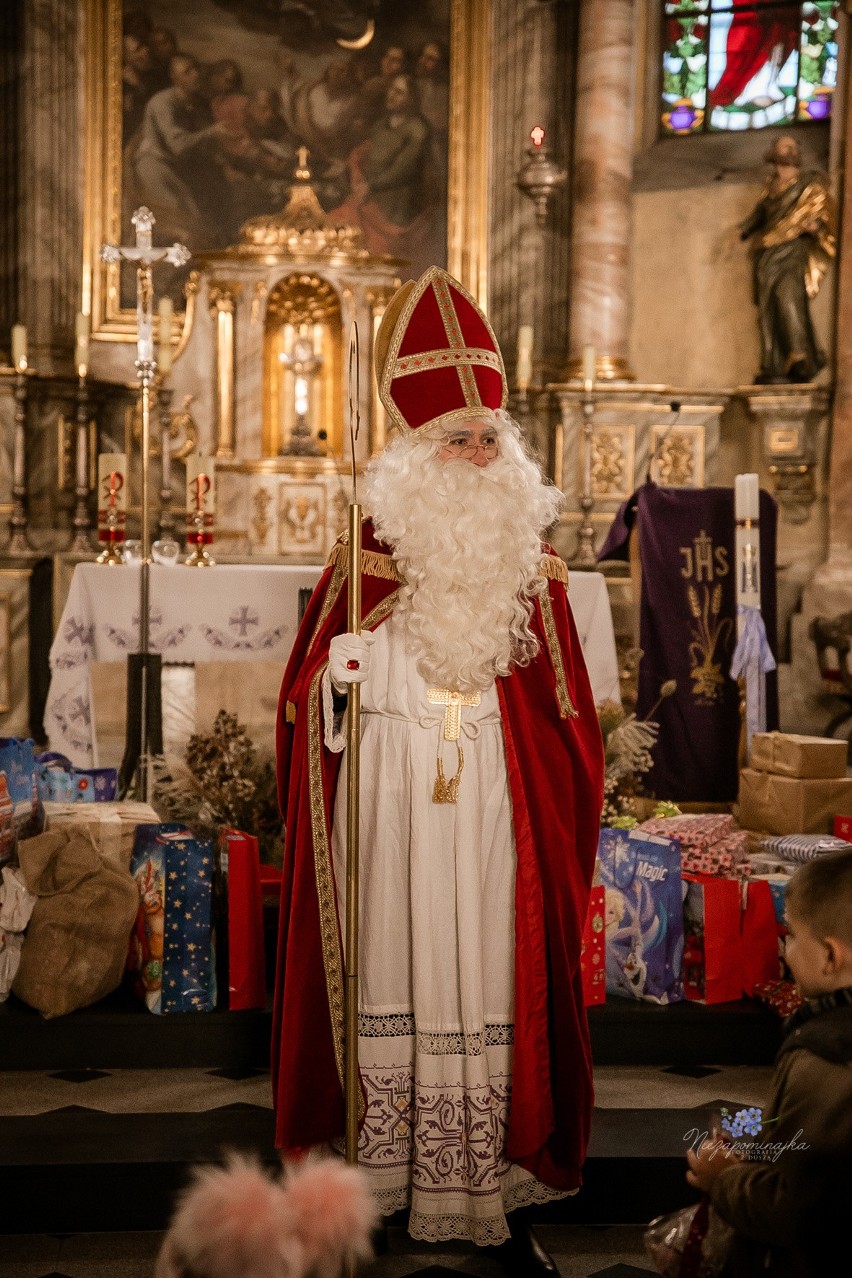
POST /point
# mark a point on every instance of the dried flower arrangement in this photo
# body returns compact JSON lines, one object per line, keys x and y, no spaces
{"x":223,"y":781}
{"x":628,"y":743}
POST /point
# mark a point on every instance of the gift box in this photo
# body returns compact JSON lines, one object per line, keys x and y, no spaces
{"x":593,"y":950}
{"x":712,"y":944}
{"x":788,"y":754}
{"x":172,"y":955}
{"x":782,"y":996}
{"x":842,"y":827}
{"x":710,"y":843}
{"x":798,"y":848}
{"x":238,"y":910}
{"x":59,"y":781}
{"x":643,"y":916}
{"x":112,"y":826}
{"x":789,"y":805}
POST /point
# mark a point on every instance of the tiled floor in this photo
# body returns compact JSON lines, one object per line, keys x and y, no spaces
{"x":196,"y":1090}
{"x":614,"y":1252}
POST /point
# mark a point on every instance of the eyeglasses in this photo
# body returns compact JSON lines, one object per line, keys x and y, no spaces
{"x":464,"y":448}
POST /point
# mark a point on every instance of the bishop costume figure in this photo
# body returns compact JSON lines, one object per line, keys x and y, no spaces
{"x":481,"y":789}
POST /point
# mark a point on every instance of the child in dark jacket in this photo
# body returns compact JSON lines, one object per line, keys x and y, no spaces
{"x":790,"y":1211}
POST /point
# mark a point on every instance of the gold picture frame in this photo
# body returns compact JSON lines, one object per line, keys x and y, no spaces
{"x":468,"y":179}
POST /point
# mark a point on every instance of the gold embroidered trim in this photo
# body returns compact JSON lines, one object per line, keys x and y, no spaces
{"x":381,"y":610}
{"x":434,"y":359}
{"x":329,"y":934}
{"x":554,"y":568}
{"x":337,"y":579}
{"x":567,"y":709}
{"x":373,"y":563}
{"x":290,"y":712}
{"x":450,"y":320}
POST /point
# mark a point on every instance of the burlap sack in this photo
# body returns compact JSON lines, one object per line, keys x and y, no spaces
{"x":76,"y":943}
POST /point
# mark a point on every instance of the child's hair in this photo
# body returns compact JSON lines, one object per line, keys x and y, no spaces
{"x":820,"y":893}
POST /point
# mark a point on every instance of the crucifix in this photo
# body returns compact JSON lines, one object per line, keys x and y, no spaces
{"x":145,"y":670}
{"x":447,"y":791}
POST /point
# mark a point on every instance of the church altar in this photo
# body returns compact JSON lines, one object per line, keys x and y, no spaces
{"x":233,"y":612}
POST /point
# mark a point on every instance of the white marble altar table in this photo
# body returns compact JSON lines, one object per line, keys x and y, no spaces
{"x":233,"y":612}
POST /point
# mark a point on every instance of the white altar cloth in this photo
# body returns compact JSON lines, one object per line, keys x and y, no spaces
{"x":233,"y":612}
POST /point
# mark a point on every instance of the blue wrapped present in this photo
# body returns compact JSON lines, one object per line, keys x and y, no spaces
{"x":21,"y":813}
{"x":172,"y":950}
{"x":59,"y":781}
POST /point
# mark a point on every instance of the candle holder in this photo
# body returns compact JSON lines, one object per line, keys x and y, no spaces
{"x":199,"y":535}
{"x":167,"y":517}
{"x":19,"y":538}
{"x":111,"y":533}
{"x":585,"y":553}
{"x":112,"y":516}
{"x":82,"y":522}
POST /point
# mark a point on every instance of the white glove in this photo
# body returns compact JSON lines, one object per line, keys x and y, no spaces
{"x":349,"y":659}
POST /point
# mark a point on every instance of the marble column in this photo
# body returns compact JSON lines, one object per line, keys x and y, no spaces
{"x":603,"y":145}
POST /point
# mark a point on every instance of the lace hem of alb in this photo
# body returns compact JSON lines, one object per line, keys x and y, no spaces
{"x":434,"y":1042}
{"x":488,"y":1231}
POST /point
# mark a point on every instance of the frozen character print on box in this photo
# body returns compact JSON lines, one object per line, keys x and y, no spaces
{"x":172,"y":953}
{"x":644,"y":915}
{"x":21,"y":811}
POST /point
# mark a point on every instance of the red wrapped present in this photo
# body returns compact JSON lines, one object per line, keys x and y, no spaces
{"x":782,"y":996}
{"x":843,"y":828}
{"x":592,"y":951}
{"x":241,"y":966}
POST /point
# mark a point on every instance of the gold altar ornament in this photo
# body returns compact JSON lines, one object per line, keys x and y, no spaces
{"x":200,"y":510}
{"x":112,"y":507}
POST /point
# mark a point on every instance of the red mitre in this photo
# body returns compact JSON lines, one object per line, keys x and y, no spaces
{"x":437,"y":359}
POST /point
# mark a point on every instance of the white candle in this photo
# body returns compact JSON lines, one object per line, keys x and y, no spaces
{"x":523,"y":371}
{"x":82,"y":330}
{"x":746,"y":497}
{"x":19,"y":347}
{"x":588,"y":365}
{"x":200,"y":484}
{"x":747,"y":516}
{"x":112,"y":481}
{"x":164,"y":354}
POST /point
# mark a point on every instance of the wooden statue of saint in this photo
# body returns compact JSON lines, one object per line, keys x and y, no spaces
{"x":793,"y":228}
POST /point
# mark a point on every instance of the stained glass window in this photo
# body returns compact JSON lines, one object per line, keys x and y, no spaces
{"x":747,"y":64}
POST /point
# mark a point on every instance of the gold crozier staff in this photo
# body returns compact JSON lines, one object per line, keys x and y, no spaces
{"x":353,"y":768}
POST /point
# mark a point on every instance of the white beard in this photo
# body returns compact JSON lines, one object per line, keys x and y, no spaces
{"x":467,"y":542}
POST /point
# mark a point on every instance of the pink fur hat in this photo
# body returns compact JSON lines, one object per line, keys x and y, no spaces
{"x":237,"y":1222}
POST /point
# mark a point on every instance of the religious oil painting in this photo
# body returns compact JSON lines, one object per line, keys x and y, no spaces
{"x":747,"y":64}
{"x":218,"y":96}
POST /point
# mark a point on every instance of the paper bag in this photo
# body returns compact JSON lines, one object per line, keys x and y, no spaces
{"x":240,"y":954}
{"x":759,"y":935}
{"x":593,"y":950}
{"x":644,"y":917}
{"x":712,"y":947}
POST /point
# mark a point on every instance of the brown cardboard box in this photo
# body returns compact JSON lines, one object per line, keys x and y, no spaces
{"x":789,"y":755}
{"x":790,"y":805}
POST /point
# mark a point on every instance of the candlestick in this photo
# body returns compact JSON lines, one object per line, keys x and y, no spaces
{"x":83,"y":328}
{"x":164,"y":352}
{"x":81,"y":543}
{"x":112,"y":506}
{"x":588,"y":367}
{"x":19,"y":347}
{"x":19,"y":540}
{"x":523,"y":371}
{"x":200,"y":509}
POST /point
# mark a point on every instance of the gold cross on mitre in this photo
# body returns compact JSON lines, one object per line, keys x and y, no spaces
{"x":445,"y":791}
{"x":453,"y":701}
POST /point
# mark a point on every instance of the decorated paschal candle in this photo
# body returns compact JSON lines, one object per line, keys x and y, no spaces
{"x":200,"y":508}
{"x":112,"y":505}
